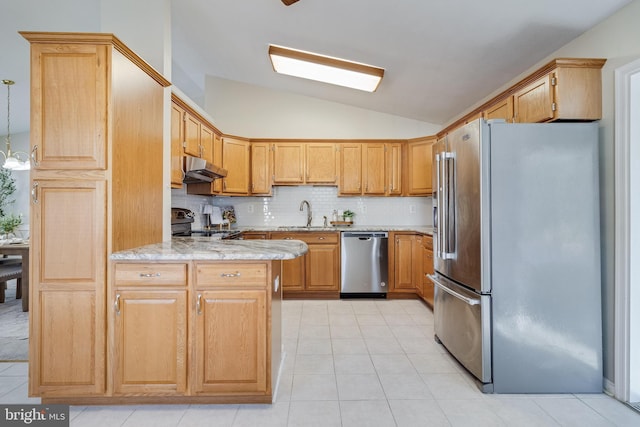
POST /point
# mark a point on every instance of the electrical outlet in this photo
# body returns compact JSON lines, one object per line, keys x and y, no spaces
{"x":412,"y":209}
{"x":364,"y":209}
{"x":250,"y":208}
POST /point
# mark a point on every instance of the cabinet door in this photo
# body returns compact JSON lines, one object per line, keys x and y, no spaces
{"x":260,"y":169}
{"x":235,"y":159}
{"x":69,"y":109}
{"x":231,"y":342}
{"x":323,"y":267}
{"x":427,"y":265}
{"x":350,"y":169}
{"x":192,"y":135}
{"x":394,"y":169}
{"x":404,"y":271}
{"x":501,"y":110}
{"x":177,"y":138}
{"x":288,"y":163}
{"x":373,"y":168}
{"x":206,"y":143}
{"x":534,"y":103}
{"x":217,"y":160}
{"x":321,"y":166}
{"x":67,"y":288}
{"x":419,"y":160}
{"x":150,"y":342}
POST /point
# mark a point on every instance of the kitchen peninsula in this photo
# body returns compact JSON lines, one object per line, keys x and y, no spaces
{"x":194,"y":320}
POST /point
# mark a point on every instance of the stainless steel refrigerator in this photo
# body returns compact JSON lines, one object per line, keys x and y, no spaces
{"x":517,"y":255}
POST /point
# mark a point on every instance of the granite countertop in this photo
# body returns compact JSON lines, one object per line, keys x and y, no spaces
{"x":411,"y":228}
{"x":203,"y":248}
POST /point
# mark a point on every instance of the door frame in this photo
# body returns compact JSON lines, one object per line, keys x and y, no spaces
{"x":622,"y":257}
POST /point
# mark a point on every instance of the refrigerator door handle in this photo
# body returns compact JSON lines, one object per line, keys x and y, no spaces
{"x":447,"y":218}
{"x":469,"y":301}
{"x":440,"y":223}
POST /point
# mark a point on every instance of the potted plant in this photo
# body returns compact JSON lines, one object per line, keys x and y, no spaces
{"x":9,"y":224}
{"x":348,"y":215}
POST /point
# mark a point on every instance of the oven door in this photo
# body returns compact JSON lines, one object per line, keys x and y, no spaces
{"x":462,"y":325}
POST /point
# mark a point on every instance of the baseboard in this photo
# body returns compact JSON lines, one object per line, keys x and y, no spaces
{"x":609,"y":387}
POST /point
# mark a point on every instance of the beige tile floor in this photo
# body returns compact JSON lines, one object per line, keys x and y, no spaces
{"x":358,"y":363}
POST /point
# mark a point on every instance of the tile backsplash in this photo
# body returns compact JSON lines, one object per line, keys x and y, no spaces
{"x":283,"y":207}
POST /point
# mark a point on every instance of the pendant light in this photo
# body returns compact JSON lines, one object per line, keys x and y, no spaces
{"x":12,"y":159}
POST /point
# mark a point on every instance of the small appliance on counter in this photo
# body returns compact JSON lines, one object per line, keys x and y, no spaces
{"x":181,"y":220}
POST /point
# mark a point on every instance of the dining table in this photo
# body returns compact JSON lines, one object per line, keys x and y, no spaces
{"x":21,"y":249}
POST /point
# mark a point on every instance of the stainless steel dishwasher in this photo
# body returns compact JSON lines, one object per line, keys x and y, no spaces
{"x":364,"y":264}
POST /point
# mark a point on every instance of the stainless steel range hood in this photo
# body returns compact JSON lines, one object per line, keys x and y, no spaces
{"x":199,"y":170}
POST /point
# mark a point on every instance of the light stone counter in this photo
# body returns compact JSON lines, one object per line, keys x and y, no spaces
{"x":409,"y":228}
{"x":204,"y":248}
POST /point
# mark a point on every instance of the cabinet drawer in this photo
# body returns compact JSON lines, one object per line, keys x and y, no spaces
{"x":329,"y":237}
{"x":151,"y":274}
{"x":225,"y":274}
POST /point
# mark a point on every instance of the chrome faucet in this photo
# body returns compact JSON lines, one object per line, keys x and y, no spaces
{"x":308,"y":211}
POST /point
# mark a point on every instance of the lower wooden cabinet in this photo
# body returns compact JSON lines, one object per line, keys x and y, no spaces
{"x":194,"y":330}
{"x":150,"y":345}
{"x":231,"y":341}
{"x":427,"y":269}
{"x":411,"y":260}
{"x":317,"y":273}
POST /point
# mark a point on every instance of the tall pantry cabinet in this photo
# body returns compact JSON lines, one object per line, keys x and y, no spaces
{"x":96,"y":141}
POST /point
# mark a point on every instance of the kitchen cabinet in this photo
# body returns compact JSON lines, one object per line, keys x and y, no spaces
{"x":236,"y":160}
{"x":255,"y":235}
{"x":83,"y":208}
{"x":149,"y":356}
{"x":427,"y":269}
{"x":177,"y":138}
{"x":288,"y":163}
{"x":317,"y":273}
{"x":195,"y":331}
{"x":192,"y":144}
{"x":350,"y":169}
{"x":296,"y":163}
{"x":419,"y":166}
{"x":321,"y":166}
{"x":394,"y":168}
{"x":260,"y":169}
{"x":370,"y":168}
{"x":373,"y":169}
{"x":231,"y":327}
{"x":403,"y":262}
{"x":502,"y":109}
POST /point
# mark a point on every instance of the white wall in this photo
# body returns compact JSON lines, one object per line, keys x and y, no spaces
{"x":254,"y":112}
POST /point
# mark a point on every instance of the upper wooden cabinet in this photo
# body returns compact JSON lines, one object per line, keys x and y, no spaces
{"x":288,"y":163}
{"x":260,"y":169}
{"x":502,"y":109}
{"x":370,"y":168}
{"x":177,"y":138}
{"x":321,"y":163}
{"x":296,"y":163}
{"x":419,"y":162}
{"x":571,"y":91}
{"x":236,"y":160}
{"x":350,"y":169}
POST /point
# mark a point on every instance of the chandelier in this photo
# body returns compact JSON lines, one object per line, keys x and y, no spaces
{"x":12,"y":159}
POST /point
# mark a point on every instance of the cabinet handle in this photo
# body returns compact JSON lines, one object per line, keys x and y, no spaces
{"x":224,"y":185}
{"x":116,"y":304}
{"x":149,"y":274}
{"x":34,"y":156}
{"x":236,"y":274}
{"x":321,"y":238}
{"x":34,"y":193}
{"x":288,"y":238}
{"x":199,"y":304}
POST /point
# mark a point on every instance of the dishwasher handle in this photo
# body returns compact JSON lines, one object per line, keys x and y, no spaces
{"x":365,"y":235}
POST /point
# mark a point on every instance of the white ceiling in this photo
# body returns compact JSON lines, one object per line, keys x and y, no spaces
{"x":440,"y":56}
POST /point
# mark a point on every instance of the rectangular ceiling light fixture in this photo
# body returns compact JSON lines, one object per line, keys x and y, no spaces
{"x":325,"y":69}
